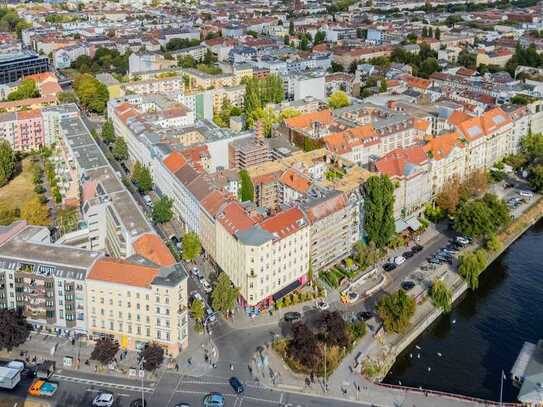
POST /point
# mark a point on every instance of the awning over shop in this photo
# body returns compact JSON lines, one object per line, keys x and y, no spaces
{"x":413,"y":223}
{"x":400,"y":225}
{"x":284,"y":291}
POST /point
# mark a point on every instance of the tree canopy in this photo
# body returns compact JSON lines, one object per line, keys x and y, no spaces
{"x":197,"y":310}
{"x":105,"y":350}
{"x":304,"y":346}
{"x":26,"y":90}
{"x":108,"y":132}
{"x":141,"y":176}
{"x":14,"y":329}
{"x":471,"y":266}
{"x":338,"y":99}
{"x":481,"y":217}
{"x":424,"y":63}
{"x":247,"y":190}
{"x":258,"y":93}
{"x":162,"y":210}
{"x":334,"y":329}
{"x":91,"y":92}
{"x":181,"y":43}
{"x":224,"y":295}
{"x":7,"y":162}
{"x":120,"y":149}
{"x":396,"y":311}
{"x":191,"y":246}
{"x":379,"y":209}
{"x":441,"y":295}
{"x":104,"y":60}
{"x":153,"y":356}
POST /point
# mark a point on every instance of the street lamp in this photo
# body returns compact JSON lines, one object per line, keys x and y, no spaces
{"x":142,"y":374}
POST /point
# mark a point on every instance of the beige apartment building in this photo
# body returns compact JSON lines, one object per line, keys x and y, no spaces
{"x":137,"y":302}
{"x":262,"y":257}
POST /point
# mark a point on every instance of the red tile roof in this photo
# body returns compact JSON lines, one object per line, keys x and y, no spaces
{"x":234,"y":218}
{"x":175,"y":161}
{"x":441,"y":146}
{"x":305,"y":120}
{"x":296,"y":181}
{"x":120,"y":271}
{"x":152,"y":248}
{"x":284,"y":223}
{"x":396,"y":163}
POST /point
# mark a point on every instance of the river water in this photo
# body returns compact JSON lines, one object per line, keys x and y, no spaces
{"x":485,"y":331}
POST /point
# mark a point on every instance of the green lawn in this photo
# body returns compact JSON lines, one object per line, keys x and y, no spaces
{"x":19,"y":190}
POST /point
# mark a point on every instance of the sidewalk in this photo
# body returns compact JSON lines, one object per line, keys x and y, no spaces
{"x":355,"y":388}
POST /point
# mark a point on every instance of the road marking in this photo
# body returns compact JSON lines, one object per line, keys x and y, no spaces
{"x":103,"y":384}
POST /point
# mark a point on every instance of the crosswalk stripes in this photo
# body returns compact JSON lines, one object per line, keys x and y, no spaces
{"x":91,"y":382}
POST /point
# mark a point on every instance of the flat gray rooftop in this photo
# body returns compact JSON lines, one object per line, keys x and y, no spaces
{"x":130,"y":215}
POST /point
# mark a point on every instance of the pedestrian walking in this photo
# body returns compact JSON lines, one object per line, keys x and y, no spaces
{"x":231,"y":366}
{"x":177,"y":367}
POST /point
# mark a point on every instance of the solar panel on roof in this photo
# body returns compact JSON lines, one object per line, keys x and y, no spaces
{"x":498,"y":119}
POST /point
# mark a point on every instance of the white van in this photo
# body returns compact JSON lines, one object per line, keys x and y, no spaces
{"x":526,"y":194}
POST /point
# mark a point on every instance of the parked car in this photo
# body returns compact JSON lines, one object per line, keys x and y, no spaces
{"x":210,"y":315}
{"x":104,"y":399}
{"x":399,"y":260}
{"x":196,"y":296}
{"x":195,"y":272}
{"x":364,"y":316}
{"x":433,"y":260}
{"x":527,"y":194}
{"x":417,"y":248}
{"x":408,"y":254}
{"x":236,"y":385}
{"x":206,"y":286}
{"x":148,"y":201}
{"x":322,"y":305}
{"x":407,"y":285}
{"x":214,"y":400}
{"x":182,"y":405}
{"x":389,"y":266}
{"x":292,"y":316}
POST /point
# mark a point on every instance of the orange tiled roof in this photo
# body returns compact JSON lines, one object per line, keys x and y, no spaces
{"x":234,"y":218}
{"x":284,"y":223}
{"x":399,"y":162}
{"x":304,"y":121}
{"x":458,"y":117}
{"x":120,"y":271}
{"x":295,"y":181}
{"x":344,"y":141}
{"x":421,"y":124}
{"x":152,"y":248}
{"x":175,"y":161}
{"x":420,"y":83}
{"x":29,"y":114}
{"x":441,"y":146}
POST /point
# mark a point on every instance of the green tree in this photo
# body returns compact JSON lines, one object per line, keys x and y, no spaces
{"x":7,"y":162}
{"x":291,"y":27}
{"x":379,"y":209}
{"x":105,"y":350}
{"x":108,"y":132}
{"x":35,"y":213}
{"x":120,"y":149}
{"x":247,"y":190}
{"x":290,"y":112}
{"x":14,"y":330}
{"x":396,"y":311}
{"x":467,"y":59}
{"x":191,"y":246}
{"x":224,"y":295}
{"x":320,"y":37}
{"x":26,"y":90}
{"x":197,"y":310}
{"x":532,"y":146}
{"x":535,"y":177}
{"x":67,"y":97}
{"x":441,"y":295}
{"x":91,"y":93}
{"x":162,"y":210}
{"x":141,"y":176}
{"x":471,"y":266}
{"x":493,"y":243}
{"x":383,"y":86}
{"x":338,"y":99}
{"x":481,"y":217}
{"x":437,"y":34}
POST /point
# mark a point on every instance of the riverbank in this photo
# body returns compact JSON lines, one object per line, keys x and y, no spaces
{"x":382,"y":358}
